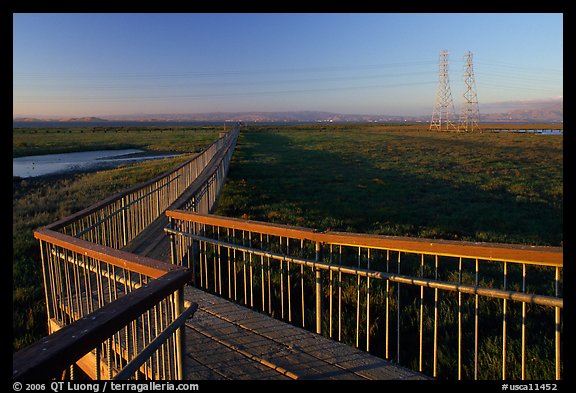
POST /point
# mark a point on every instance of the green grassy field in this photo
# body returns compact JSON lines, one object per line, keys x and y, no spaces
{"x":383,"y":179}
{"x":32,"y":141}
{"x":493,"y":187}
{"x":378,"y":179}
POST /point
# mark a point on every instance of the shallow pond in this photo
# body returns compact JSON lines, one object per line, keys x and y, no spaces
{"x":49,"y":164}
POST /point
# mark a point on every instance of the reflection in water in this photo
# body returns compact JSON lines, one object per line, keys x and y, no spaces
{"x":30,"y":166}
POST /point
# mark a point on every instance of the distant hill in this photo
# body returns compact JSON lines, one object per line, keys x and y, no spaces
{"x":84,"y":119}
{"x":553,"y":113}
{"x":543,"y":112}
{"x":63,"y":120}
{"x":275,"y":117}
{"x":26,"y":120}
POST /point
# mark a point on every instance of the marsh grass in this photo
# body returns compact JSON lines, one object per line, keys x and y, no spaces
{"x":393,"y":180}
{"x":491,"y":187}
{"x":32,"y":141}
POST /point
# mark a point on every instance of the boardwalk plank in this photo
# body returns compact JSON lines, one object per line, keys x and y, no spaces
{"x":294,"y":360}
{"x":306,"y":354}
{"x":222,"y":362}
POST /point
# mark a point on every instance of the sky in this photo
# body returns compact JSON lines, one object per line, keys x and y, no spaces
{"x":105,"y":64}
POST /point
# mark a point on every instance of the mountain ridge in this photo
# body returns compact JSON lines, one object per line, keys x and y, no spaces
{"x":550,"y":113}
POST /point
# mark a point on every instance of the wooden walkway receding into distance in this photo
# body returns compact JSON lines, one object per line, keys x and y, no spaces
{"x":227,"y":341}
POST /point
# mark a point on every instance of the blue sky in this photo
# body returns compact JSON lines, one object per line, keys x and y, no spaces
{"x":110,"y":64}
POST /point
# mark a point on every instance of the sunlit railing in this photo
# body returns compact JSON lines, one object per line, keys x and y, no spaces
{"x":113,"y":314}
{"x":448,"y":309}
{"x":117,"y":220}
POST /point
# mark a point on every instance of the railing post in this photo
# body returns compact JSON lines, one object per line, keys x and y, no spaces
{"x":158,"y":205}
{"x":124,"y":223}
{"x":180,"y":332}
{"x":318,"y":292}
{"x":173,"y":244}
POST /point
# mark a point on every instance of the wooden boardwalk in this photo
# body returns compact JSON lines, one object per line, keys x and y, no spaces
{"x":227,"y":341}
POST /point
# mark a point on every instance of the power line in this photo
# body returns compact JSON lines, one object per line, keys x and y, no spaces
{"x":87,"y":75}
{"x":200,"y":96}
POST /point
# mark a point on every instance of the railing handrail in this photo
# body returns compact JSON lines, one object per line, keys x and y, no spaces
{"x":115,"y":197}
{"x":45,"y":358}
{"x":133,"y":262}
{"x":203,"y":177}
{"x":334,"y":275}
{"x":514,"y":253}
{"x":543,"y":300}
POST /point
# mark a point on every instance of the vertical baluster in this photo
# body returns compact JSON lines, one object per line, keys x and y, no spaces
{"x":459,"y":320}
{"x":148,"y":330}
{"x":77,"y":286}
{"x":358,"y":300}
{"x":229,"y":265}
{"x":97,"y":362}
{"x":318,"y":291}
{"x":206,"y":244}
{"x":398,"y":315}
{"x":368,"y":307}
{"x":219,"y":262}
{"x":214,"y":228}
{"x":156,"y":329}
{"x":523,"y":364}
{"x":244,"y":268}
{"x":557,"y":322}
{"x":201,"y":262}
{"x":192,"y":252}
{"x":57,"y":289}
{"x":330,"y":304}
{"x":51,"y":301}
{"x":86,"y":274}
{"x":435,"y":366}
{"x":234,"y":258}
{"x":302,"y":282}
{"x":109,"y":357}
{"x":134,"y":331}
{"x":163,"y":347}
{"x":262,"y":273}
{"x":99,"y":285}
{"x":69,"y":305}
{"x":288,"y":281}
{"x":387,"y":329}
{"x":114,"y":281}
{"x":476,"y":309}
{"x":421,"y":313}
{"x":127,"y":289}
{"x":340,"y":294}
{"x":282,"y":280}
{"x":269,"y":246}
{"x":251,"y":273}
{"x":504,"y":325}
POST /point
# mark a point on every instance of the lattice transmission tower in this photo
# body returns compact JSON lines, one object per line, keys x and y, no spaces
{"x":470,"y":115}
{"x":443,"y":103}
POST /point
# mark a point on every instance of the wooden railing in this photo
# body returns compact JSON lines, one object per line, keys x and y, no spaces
{"x":118,"y":219}
{"x":448,"y":309}
{"x":111,"y":313}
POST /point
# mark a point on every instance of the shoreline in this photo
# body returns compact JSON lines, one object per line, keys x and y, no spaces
{"x":98,"y":164}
